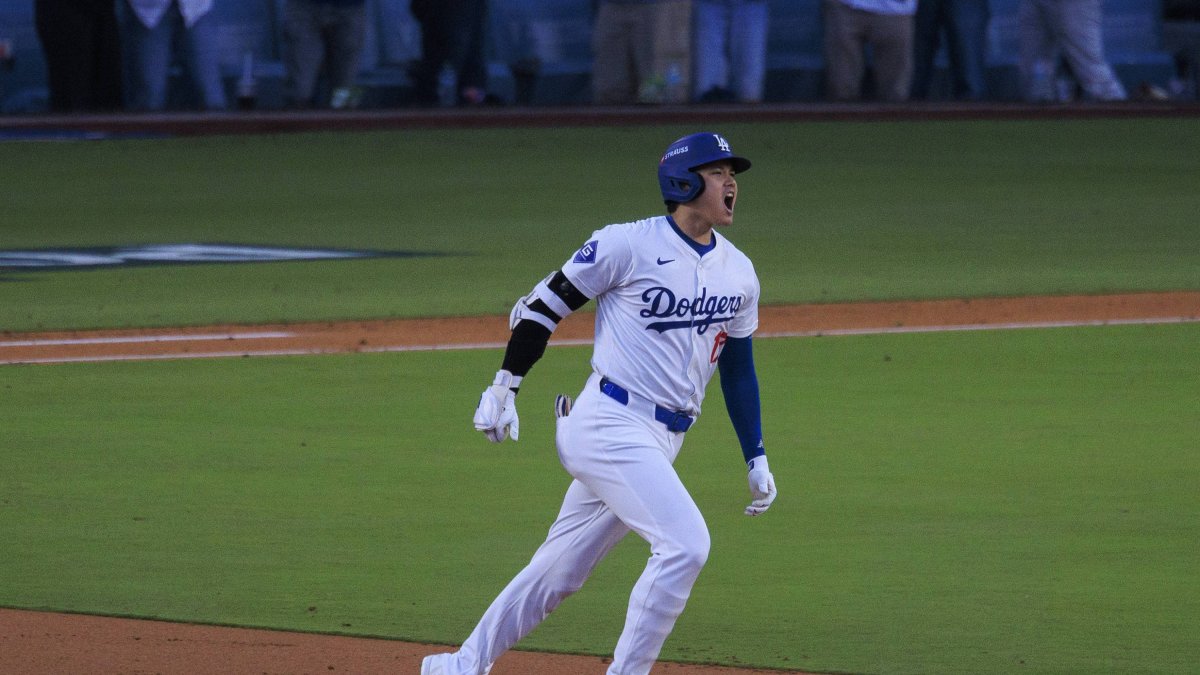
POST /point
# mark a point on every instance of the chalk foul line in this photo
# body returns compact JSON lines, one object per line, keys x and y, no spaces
{"x":134,"y":339}
{"x":311,"y":351}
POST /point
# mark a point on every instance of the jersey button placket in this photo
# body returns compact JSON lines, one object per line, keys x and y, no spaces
{"x":690,"y":368}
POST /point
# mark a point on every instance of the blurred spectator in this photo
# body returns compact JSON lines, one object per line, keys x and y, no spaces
{"x":1071,"y":29}
{"x":886,"y":26}
{"x":964,"y":25}
{"x":1181,"y":37}
{"x":83,"y":53}
{"x":672,"y":66}
{"x":729,"y":50}
{"x":1181,"y":10}
{"x":323,"y":36}
{"x":452,"y":37}
{"x":149,"y":28}
{"x":642,"y":51}
{"x":622,"y":49}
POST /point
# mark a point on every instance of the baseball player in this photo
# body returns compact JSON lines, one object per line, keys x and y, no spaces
{"x":675,"y":301}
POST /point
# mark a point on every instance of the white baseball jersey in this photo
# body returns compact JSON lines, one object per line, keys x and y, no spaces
{"x":663,"y":314}
{"x":663,"y":311}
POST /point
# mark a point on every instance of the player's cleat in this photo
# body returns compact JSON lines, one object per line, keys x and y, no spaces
{"x":439,"y":664}
{"x":562,"y":405}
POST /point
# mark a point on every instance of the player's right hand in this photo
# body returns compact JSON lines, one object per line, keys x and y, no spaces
{"x":762,"y":486}
{"x":496,"y":414}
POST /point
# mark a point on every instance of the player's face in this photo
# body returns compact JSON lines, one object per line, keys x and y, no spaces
{"x":715,"y":203}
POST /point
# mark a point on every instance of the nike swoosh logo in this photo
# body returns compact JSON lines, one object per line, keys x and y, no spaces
{"x":664,"y":262}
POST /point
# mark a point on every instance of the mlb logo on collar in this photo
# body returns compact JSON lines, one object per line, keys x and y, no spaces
{"x":587,"y":254}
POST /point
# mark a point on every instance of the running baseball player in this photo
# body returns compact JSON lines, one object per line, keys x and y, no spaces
{"x":675,"y":301}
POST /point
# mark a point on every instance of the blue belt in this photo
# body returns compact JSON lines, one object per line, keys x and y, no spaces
{"x":675,"y":421}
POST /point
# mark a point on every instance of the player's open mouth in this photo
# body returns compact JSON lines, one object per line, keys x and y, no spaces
{"x":729,"y":199}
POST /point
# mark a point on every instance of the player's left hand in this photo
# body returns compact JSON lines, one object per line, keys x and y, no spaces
{"x":762,"y":486}
{"x":496,"y":414}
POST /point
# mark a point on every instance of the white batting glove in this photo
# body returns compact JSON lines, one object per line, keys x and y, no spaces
{"x":762,"y":486}
{"x":562,"y":406}
{"x":496,"y":415}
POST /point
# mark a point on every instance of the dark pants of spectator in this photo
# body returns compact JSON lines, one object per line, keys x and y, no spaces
{"x":83,"y":53}
{"x":452,"y":32}
{"x":847,"y":32}
{"x":642,"y":52}
{"x":963,"y":23}
{"x":320,"y":34}
{"x":148,"y":52}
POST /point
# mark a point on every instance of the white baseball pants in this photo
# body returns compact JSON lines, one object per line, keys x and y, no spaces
{"x":621,"y":460}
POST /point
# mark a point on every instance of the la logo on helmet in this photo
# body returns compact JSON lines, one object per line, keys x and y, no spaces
{"x":722,"y":143}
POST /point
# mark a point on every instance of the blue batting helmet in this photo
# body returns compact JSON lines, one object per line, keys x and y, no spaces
{"x":677,"y":169}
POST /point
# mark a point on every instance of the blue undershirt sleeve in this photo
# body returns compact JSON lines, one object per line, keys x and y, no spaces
{"x":739,"y":383}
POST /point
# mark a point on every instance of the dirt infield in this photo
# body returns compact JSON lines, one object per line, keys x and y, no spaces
{"x":37,"y":643}
{"x":491,"y":332}
{"x":45,"y":643}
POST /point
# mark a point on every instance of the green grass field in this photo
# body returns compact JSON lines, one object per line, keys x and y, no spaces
{"x":830,"y":212}
{"x":999,"y":502}
{"x":975,"y":502}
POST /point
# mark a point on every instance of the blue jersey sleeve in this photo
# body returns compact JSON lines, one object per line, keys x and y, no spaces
{"x":739,"y":383}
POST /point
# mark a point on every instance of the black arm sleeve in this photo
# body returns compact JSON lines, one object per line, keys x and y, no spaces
{"x":525,"y":347}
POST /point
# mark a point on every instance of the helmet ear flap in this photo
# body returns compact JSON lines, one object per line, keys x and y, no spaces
{"x":682,"y":189}
{"x":693,"y":186}
{"x":699,"y":186}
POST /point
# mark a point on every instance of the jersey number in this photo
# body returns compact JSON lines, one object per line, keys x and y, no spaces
{"x":718,"y":342}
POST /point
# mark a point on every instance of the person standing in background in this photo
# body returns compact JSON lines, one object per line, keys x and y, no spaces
{"x":671,"y":81}
{"x":322,"y":36}
{"x":82,"y":48}
{"x":149,"y":27}
{"x":622,"y":49}
{"x":452,"y":35}
{"x":1072,"y":29}
{"x":884,"y":25}
{"x":964,"y":25}
{"x":642,"y":52}
{"x":729,"y":50}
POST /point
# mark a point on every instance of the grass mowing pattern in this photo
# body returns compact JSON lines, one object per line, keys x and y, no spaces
{"x":965,"y":502}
